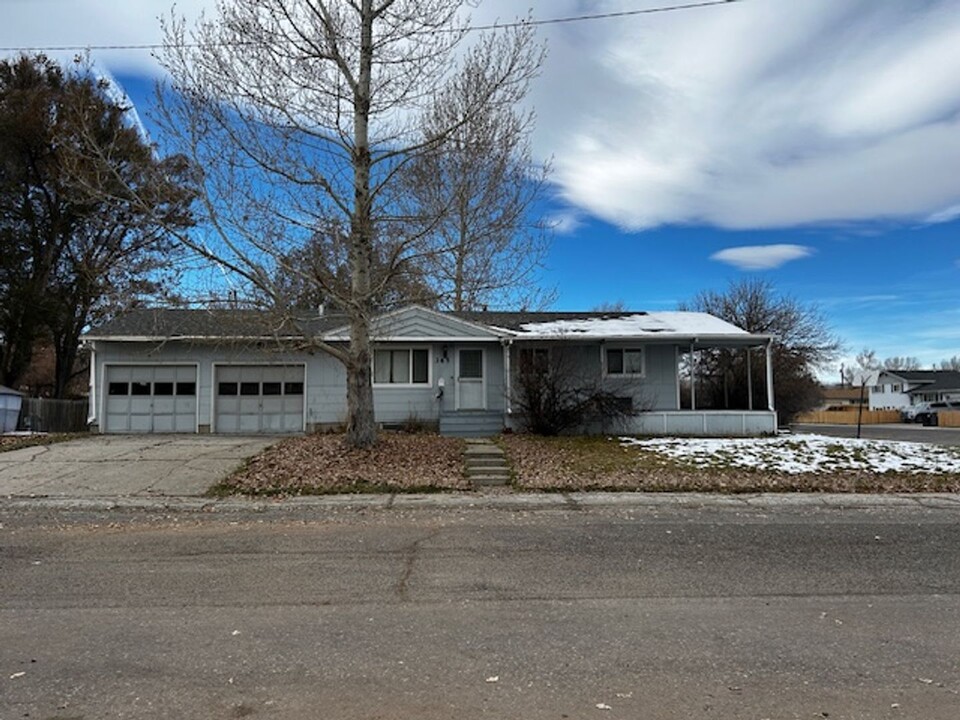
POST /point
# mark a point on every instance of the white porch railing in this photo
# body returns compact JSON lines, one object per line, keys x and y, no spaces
{"x":709,"y":423}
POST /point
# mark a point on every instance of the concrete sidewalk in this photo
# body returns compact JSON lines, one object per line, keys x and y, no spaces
{"x":125,"y":465}
{"x":499,"y":499}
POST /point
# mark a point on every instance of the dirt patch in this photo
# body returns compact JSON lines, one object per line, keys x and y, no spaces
{"x":323,"y":464}
{"x":593,"y":463}
{"x":16,"y":442}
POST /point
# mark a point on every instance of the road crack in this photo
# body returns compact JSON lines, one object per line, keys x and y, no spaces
{"x":411,"y":554}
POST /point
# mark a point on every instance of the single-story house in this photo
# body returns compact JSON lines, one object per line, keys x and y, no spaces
{"x":841,"y":396}
{"x":901,"y":389}
{"x":230,"y":371}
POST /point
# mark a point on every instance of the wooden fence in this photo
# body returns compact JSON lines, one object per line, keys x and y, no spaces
{"x":46,"y":415}
{"x":848,"y":416}
{"x":950,"y":418}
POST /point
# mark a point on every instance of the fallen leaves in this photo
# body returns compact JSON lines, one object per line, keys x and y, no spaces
{"x":323,"y":463}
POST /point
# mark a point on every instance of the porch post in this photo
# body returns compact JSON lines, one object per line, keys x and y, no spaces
{"x":506,"y":375}
{"x":749,"y":380}
{"x":770,"y":406}
{"x":693,"y":379}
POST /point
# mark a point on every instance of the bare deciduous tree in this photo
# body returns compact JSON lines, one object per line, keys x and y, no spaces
{"x":898,"y":362}
{"x":952,"y":363}
{"x":802,"y":345}
{"x":304,"y":116}
{"x":552,"y":394}
{"x":481,"y":186}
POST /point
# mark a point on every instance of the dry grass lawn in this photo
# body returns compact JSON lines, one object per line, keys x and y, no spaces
{"x":425,"y":462}
{"x":322,"y":464}
{"x":598,"y":463}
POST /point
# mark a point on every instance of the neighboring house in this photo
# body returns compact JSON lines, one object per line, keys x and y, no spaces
{"x":901,"y":389}
{"x":227,"y":371}
{"x":834,"y":397}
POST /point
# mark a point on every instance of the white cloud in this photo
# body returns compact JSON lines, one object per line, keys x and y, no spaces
{"x":565,"y":222}
{"x":761,"y":257}
{"x":745,"y":115}
{"x":757,"y":114}
{"x":45,"y":23}
{"x":945,"y":215}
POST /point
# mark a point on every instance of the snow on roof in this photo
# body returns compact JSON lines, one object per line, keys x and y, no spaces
{"x":687,"y":324}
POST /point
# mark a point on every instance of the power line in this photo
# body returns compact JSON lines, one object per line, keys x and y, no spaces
{"x":475,"y":28}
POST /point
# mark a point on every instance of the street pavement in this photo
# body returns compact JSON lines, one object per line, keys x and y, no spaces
{"x":125,"y":465}
{"x":698,"y":607}
{"x":888,"y":431}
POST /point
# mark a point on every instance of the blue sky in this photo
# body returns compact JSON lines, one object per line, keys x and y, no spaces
{"x":815,"y":145}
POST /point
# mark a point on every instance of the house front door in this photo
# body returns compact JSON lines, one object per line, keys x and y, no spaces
{"x":470,"y":385}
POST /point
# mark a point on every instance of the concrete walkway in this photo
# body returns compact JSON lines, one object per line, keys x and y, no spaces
{"x":125,"y":465}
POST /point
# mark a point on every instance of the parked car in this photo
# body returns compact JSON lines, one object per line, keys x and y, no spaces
{"x":929,"y":417}
{"x":909,"y":415}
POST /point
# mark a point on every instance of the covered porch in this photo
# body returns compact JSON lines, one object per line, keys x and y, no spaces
{"x":671,"y":386}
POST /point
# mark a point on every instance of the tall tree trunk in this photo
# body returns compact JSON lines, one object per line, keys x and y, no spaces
{"x":66,"y":343}
{"x":361,"y":424}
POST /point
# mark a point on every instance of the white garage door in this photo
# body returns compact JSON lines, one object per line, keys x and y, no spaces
{"x":259,"y":398}
{"x":151,"y":398}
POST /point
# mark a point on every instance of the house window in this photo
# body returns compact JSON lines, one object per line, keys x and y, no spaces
{"x":895,"y":388}
{"x":534,"y":360}
{"x":624,"y":361}
{"x":405,"y":366}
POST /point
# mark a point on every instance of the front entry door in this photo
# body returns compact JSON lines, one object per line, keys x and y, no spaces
{"x":470,"y":390}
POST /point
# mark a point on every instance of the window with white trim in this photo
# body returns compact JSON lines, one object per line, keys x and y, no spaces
{"x":624,"y":361}
{"x":401,"y":366}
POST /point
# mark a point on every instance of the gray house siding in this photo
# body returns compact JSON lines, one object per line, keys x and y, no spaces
{"x":457,"y":396}
{"x":324,"y":379}
{"x":656,"y":389}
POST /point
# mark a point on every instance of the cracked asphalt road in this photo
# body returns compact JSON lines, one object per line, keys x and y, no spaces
{"x":699,"y":610}
{"x":125,"y":465}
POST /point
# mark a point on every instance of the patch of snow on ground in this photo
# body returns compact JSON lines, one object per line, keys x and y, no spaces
{"x":806,"y":453}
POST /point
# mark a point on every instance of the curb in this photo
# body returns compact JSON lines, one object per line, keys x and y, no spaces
{"x":526,"y":501}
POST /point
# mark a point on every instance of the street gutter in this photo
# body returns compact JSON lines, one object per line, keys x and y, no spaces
{"x":465,"y":501}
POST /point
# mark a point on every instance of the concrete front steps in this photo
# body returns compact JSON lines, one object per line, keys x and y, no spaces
{"x":471,"y":423}
{"x":485,"y":463}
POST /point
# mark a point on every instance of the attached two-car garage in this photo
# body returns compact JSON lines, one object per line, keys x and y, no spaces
{"x":246,"y":399}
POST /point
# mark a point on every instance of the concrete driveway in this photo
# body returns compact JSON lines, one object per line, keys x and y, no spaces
{"x":125,"y":465}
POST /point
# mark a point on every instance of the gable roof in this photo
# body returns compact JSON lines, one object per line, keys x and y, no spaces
{"x":928,"y":380}
{"x":415,"y":322}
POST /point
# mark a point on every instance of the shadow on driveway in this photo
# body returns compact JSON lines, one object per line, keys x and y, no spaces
{"x":125,"y":465}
